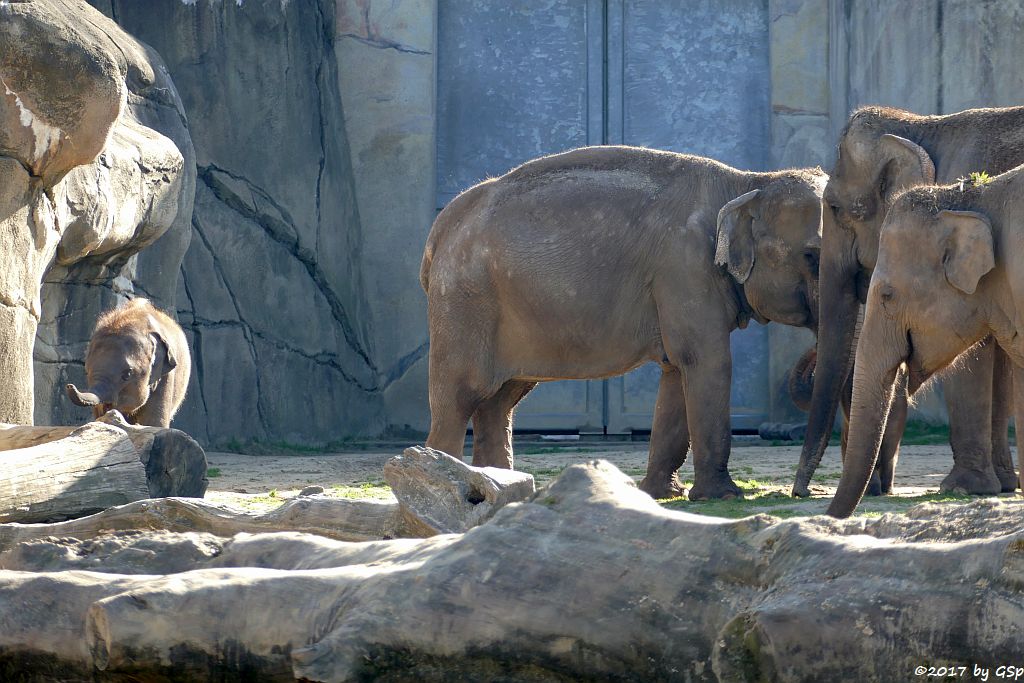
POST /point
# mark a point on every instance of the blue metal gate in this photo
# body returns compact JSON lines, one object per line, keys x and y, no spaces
{"x":518,"y":80}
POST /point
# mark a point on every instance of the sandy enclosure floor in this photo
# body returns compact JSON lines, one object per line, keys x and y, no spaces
{"x":260,"y":482}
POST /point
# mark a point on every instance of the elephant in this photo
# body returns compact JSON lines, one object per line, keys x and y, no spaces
{"x":138,"y":362}
{"x":589,"y":263}
{"x":948,"y":277}
{"x":881,"y":152}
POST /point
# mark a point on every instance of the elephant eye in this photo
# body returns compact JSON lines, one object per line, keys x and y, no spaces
{"x":127,"y":374}
{"x":812,"y":258}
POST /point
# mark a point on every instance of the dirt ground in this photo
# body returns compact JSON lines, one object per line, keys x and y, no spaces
{"x":765,"y":472}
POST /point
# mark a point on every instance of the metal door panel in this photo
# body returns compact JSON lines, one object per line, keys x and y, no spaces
{"x":518,"y":80}
{"x":676,"y":88}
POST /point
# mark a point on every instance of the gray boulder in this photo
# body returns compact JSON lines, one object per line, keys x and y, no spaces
{"x":86,"y":180}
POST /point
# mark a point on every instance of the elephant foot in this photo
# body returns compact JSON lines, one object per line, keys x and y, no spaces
{"x":722,"y":486}
{"x":1007,"y":479}
{"x":801,"y":490}
{"x":978,"y":482}
{"x":662,"y":486}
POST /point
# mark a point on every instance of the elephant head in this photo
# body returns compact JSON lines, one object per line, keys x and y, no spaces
{"x":123,"y":368}
{"x":769,"y":239}
{"x":923,"y":310}
{"x":872,"y":166}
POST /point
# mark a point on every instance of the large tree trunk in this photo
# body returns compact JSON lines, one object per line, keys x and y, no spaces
{"x":53,"y":473}
{"x":590,"y":579}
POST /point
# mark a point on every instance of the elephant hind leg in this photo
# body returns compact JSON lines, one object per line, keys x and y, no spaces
{"x":492,"y":425}
{"x":670,"y":439}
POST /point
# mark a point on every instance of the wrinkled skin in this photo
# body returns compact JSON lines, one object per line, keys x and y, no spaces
{"x":138,"y":363}
{"x":590,"y":263}
{"x":882,"y":152}
{"x":947,"y":278}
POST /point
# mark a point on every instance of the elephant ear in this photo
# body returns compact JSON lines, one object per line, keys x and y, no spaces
{"x":163,"y":358}
{"x":735,"y":246}
{"x":908,"y":164}
{"x":969,"y":252}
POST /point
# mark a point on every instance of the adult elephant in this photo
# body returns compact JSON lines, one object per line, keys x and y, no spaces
{"x":948,"y":276}
{"x":881,"y":152}
{"x":590,"y":263}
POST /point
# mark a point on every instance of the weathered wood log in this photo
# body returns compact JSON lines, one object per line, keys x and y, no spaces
{"x":91,"y":468}
{"x":445,"y":495}
{"x":590,"y":579}
{"x":349,"y":520}
{"x":96,"y":458}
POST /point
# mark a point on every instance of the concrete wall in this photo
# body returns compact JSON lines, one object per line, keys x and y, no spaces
{"x":314,"y":126}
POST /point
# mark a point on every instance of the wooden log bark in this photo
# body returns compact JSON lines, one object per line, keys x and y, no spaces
{"x":349,"y":520}
{"x":91,"y":468}
{"x":590,"y":579}
{"x":444,"y":495}
{"x":103,"y":458}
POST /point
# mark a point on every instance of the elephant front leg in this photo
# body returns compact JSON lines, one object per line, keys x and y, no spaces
{"x":889,"y":453}
{"x":968,"y":393}
{"x":706,"y":385}
{"x":670,"y":438}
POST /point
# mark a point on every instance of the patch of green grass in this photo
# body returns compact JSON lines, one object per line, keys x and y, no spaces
{"x":918,"y":433}
{"x":761,"y":497}
{"x":213,"y":472}
{"x":375,"y":490}
{"x":542,"y":472}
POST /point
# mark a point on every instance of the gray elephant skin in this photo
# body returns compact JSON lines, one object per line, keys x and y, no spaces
{"x":138,"y":362}
{"x":949,"y":275}
{"x":589,"y":263}
{"x":881,"y":152}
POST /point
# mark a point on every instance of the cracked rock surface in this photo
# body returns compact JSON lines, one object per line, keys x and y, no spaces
{"x":271,"y":289}
{"x":95,"y":165}
{"x":589,"y":579}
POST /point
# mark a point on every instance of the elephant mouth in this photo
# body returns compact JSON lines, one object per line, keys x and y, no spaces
{"x":916,"y":374}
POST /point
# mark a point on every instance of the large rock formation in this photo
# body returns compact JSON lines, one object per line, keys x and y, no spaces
{"x":588,"y":580}
{"x":86,"y":179}
{"x":271,"y":289}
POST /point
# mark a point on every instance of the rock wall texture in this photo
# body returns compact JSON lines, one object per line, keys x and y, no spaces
{"x":95,"y":165}
{"x":271,"y":291}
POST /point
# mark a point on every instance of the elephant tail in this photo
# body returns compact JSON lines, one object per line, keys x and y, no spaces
{"x":428,"y":258}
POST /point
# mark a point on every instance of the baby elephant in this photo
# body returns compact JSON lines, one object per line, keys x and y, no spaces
{"x":590,"y":263}
{"x":949,"y":275}
{"x":138,"y":362}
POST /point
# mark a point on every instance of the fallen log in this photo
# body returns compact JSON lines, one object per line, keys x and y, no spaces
{"x":589,"y":579}
{"x":444,"y":495}
{"x":349,"y":520}
{"x":54,"y":473}
{"x":419,"y":476}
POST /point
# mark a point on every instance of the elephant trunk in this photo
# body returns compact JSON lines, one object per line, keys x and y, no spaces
{"x":837,"y":325}
{"x":880,"y":353}
{"x":98,"y":395}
